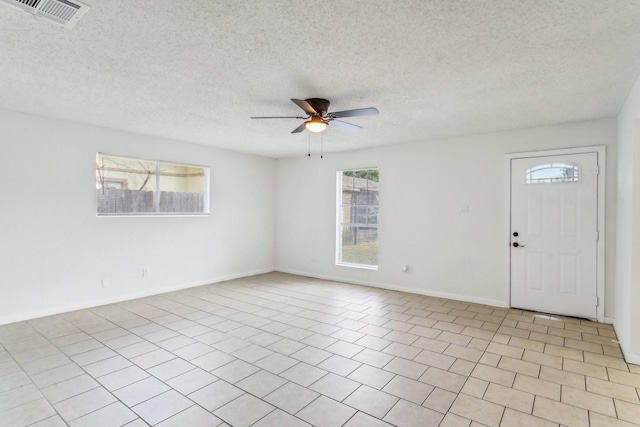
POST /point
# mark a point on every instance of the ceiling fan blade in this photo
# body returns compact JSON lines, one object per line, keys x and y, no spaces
{"x":278,"y":117}
{"x":371,"y":111}
{"x":344,"y":125}
{"x":305,"y":106}
{"x":299,"y":128}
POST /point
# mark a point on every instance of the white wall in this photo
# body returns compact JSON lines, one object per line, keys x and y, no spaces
{"x":423,"y":188}
{"x":628,"y":239}
{"x":54,"y":251}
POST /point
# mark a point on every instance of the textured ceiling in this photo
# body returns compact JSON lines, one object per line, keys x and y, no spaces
{"x":196,"y":70}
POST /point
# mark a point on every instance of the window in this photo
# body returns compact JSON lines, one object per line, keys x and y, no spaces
{"x":128,"y":187}
{"x":553,"y":172}
{"x":358,"y":200}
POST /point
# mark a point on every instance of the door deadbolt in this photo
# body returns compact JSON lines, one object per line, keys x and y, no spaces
{"x":515,"y":234}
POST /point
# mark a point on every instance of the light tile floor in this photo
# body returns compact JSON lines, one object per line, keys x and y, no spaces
{"x":282,"y":350}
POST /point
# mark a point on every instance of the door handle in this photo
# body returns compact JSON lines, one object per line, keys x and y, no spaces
{"x":517,"y":245}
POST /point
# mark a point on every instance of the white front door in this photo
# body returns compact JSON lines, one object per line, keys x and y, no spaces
{"x":554,"y":233}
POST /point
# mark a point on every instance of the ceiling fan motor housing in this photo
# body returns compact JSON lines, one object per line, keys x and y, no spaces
{"x":320,"y":105}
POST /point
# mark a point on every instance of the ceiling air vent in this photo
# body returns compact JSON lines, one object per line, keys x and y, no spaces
{"x":62,"y":12}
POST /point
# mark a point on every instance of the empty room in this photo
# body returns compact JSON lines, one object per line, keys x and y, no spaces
{"x":337,"y":213}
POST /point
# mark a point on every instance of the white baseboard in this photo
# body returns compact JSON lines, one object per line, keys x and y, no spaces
{"x":609,"y":320}
{"x":628,"y":356}
{"x":126,"y":297}
{"x":632,"y":358}
{"x":419,"y":291}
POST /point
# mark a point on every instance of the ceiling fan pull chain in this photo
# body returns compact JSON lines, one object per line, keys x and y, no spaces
{"x":309,"y":151}
{"x":321,"y":147}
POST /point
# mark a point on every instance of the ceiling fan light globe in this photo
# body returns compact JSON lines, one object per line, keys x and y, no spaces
{"x":316,"y":125}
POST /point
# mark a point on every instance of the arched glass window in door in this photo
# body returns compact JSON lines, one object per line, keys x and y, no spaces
{"x":553,"y":173}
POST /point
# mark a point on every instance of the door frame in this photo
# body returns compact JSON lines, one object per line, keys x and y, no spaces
{"x":600,"y":150}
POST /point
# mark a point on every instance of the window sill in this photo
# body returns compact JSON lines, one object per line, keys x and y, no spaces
{"x":361,"y":266}
{"x":168,"y":215}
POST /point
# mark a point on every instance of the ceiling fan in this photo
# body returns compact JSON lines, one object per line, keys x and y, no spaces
{"x":318,"y":117}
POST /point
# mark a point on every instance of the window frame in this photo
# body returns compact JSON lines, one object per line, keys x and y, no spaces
{"x":340,"y":224}
{"x":156,"y":194}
